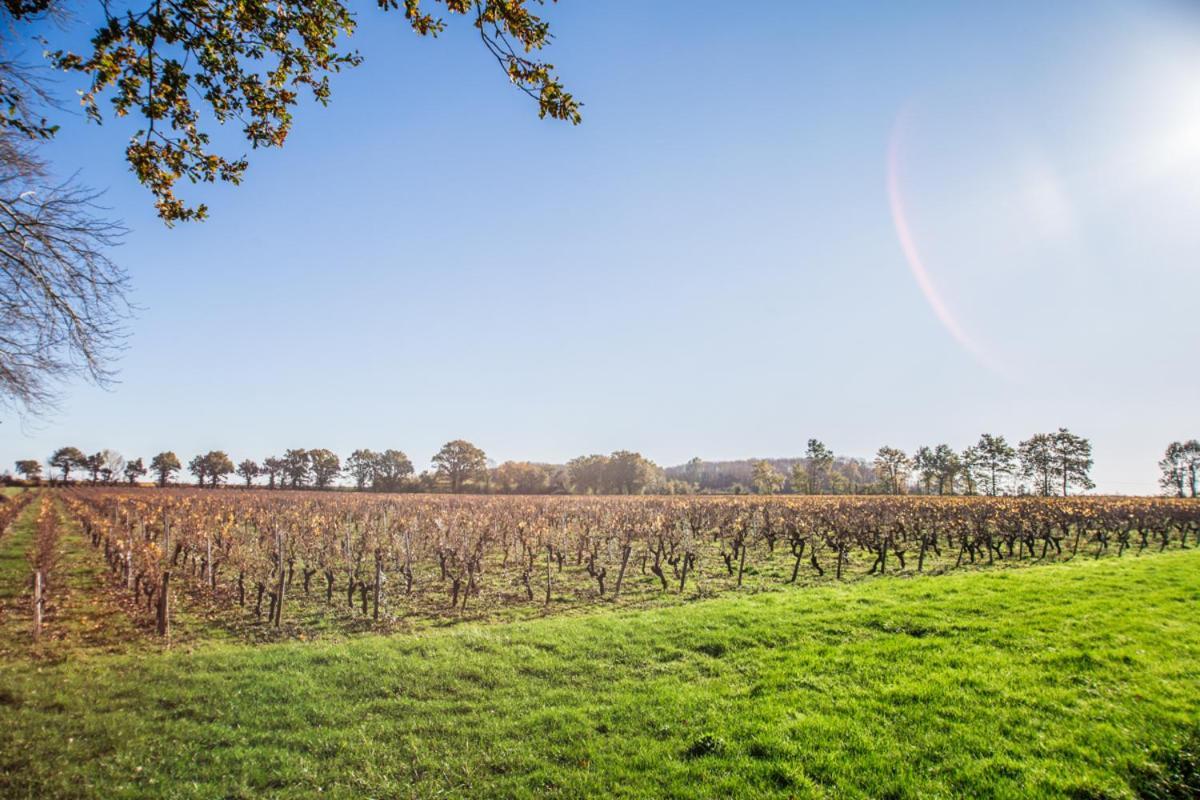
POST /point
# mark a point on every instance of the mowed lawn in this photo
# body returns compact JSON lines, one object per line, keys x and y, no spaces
{"x":1077,"y":680}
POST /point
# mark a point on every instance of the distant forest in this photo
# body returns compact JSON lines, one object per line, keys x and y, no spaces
{"x":845,"y":475}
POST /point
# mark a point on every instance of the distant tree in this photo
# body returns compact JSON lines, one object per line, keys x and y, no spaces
{"x":623,"y":472}
{"x":112,"y":464}
{"x":426,"y":481}
{"x":219,"y":466}
{"x":820,"y":461}
{"x":392,"y":469}
{"x":587,"y":474}
{"x":767,"y":479}
{"x":1191,"y":449}
{"x":94,"y":464}
{"x":798,"y":478}
{"x":165,"y":465}
{"x":521,"y":477}
{"x":694,"y":470}
{"x":675,"y":487}
{"x":134,"y":470}
{"x":106,"y":471}
{"x":627,"y":472}
{"x":1071,"y":459}
{"x":326,"y":467}
{"x":248,"y":470}
{"x":198,"y":466}
{"x":30,"y":470}
{"x":851,"y":476}
{"x":892,"y":466}
{"x":67,"y":459}
{"x":296,"y":466}
{"x":273,"y":467}
{"x":559,"y":480}
{"x":926,"y":465}
{"x":971,"y":469}
{"x":212,"y":468}
{"x":996,"y":460}
{"x":1179,"y":466}
{"x":947,"y":466}
{"x":1036,"y":456}
{"x":459,"y":461}
{"x":361,"y":467}
{"x":1174,"y":470}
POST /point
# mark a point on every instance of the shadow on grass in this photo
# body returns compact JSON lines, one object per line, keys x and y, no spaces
{"x":1173,"y":771}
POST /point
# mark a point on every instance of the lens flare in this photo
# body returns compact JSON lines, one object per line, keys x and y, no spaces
{"x":909,"y":247}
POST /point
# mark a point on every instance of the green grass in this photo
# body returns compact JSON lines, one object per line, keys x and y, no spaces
{"x":1077,"y":680}
{"x":16,"y":616}
{"x":83,"y":612}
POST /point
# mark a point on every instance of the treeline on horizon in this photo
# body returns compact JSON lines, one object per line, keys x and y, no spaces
{"x":1045,"y":464}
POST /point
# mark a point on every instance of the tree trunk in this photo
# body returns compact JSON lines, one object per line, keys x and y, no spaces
{"x":625,"y":551}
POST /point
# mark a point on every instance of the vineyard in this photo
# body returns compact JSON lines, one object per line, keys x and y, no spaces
{"x":850,"y":687}
{"x":379,"y":560}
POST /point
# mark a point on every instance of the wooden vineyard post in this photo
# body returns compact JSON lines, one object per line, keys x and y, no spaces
{"x":39,"y":603}
{"x":209,"y":576}
{"x":163,"y":612}
{"x":378,"y":582}
{"x":129,"y":565}
{"x":282,"y":583}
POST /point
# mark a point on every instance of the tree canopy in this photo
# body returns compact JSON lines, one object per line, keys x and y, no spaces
{"x":186,"y":67}
{"x":164,"y":466}
{"x":459,"y":461}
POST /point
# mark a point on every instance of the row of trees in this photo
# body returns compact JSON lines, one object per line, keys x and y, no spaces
{"x":106,"y":466}
{"x":458,"y":467}
{"x":297,"y":468}
{"x":819,"y":472}
{"x":1045,"y":464}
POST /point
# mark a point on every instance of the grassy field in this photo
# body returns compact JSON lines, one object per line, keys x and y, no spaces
{"x":1077,"y":680}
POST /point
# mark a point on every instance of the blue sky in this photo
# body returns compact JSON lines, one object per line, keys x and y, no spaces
{"x":710,"y":265}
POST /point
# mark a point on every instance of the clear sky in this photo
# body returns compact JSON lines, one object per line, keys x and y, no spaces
{"x":871,"y":223}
